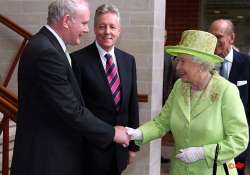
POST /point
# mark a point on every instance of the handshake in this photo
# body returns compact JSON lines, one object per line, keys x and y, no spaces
{"x":188,"y":155}
{"x":124,"y":134}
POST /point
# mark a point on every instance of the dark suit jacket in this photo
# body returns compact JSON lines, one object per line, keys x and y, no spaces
{"x":98,"y":98}
{"x":52,"y":119}
{"x":240,"y":71}
{"x":169,"y":76}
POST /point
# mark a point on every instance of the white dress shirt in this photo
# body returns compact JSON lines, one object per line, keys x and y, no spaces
{"x":102,"y":54}
{"x":61,"y":42}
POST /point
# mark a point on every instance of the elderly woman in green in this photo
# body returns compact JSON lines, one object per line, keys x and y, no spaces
{"x":203,"y":110}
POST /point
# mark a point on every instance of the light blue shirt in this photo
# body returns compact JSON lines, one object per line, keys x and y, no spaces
{"x":228,"y":62}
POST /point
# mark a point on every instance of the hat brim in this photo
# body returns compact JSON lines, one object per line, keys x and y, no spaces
{"x":177,"y":50}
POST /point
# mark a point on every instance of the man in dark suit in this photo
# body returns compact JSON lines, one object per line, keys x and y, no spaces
{"x":52,"y":118}
{"x":169,"y":78}
{"x":235,"y":68}
{"x":107,"y":78}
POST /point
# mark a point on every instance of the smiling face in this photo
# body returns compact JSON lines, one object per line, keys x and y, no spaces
{"x":78,"y":25}
{"x":187,"y":69}
{"x":224,"y":36}
{"x":107,"y":30}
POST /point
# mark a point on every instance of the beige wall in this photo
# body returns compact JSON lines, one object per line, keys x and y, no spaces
{"x":142,"y":35}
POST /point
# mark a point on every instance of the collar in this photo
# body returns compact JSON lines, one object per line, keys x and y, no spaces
{"x":229,"y":56}
{"x":59,"y":39}
{"x":102,"y":52}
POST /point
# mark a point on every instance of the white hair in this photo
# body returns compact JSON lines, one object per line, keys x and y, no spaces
{"x":205,"y":64}
{"x":58,"y":8}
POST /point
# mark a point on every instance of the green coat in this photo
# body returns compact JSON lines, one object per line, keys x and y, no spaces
{"x":216,"y":116}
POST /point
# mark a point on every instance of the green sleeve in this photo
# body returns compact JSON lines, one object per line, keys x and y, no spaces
{"x":235,"y":129}
{"x":157,"y":127}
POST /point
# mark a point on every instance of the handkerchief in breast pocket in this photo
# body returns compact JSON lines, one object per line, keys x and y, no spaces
{"x":241,"y":83}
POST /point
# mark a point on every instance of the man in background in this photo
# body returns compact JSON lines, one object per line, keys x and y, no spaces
{"x":52,"y":118}
{"x":107,"y":78}
{"x":235,"y":68}
{"x":169,"y":78}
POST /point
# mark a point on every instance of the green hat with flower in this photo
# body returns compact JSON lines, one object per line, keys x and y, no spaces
{"x":196,"y":43}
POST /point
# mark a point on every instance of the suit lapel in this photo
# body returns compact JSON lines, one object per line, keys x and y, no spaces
{"x":207,"y":98}
{"x":183,"y":100}
{"x":121,"y":62}
{"x":99,"y":71}
{"x":58,"y":47}
{"x":54,"y":41}
{"x":201,"y":105}
{"x":205,"y":101}
{"x":97,"y":65}
{"x":235,"y":66}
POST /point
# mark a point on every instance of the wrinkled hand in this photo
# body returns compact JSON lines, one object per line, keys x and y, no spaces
{"x":135,"y":134}
{"x":121,"y":136}
{"x":191,"y":154}
{"x":131,"y":157}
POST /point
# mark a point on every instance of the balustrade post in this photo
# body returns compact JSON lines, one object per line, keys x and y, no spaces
{"x":5,"y":156}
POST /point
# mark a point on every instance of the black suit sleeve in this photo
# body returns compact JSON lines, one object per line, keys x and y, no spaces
{"x":77,"y":71}
{"x":248,"y":81}
{"x":54,"y":83}
{"x":133,"y":121}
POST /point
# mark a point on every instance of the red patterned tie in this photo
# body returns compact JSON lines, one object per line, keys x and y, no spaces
{"x":113,"y":80}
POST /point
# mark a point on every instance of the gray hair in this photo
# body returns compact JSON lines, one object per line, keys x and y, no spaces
{"x":205,"y":65}
{"x":58,"y":8}
{"x":104,"y":9}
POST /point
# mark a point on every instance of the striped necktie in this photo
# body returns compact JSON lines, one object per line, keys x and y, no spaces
{"x":113,"y":80}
